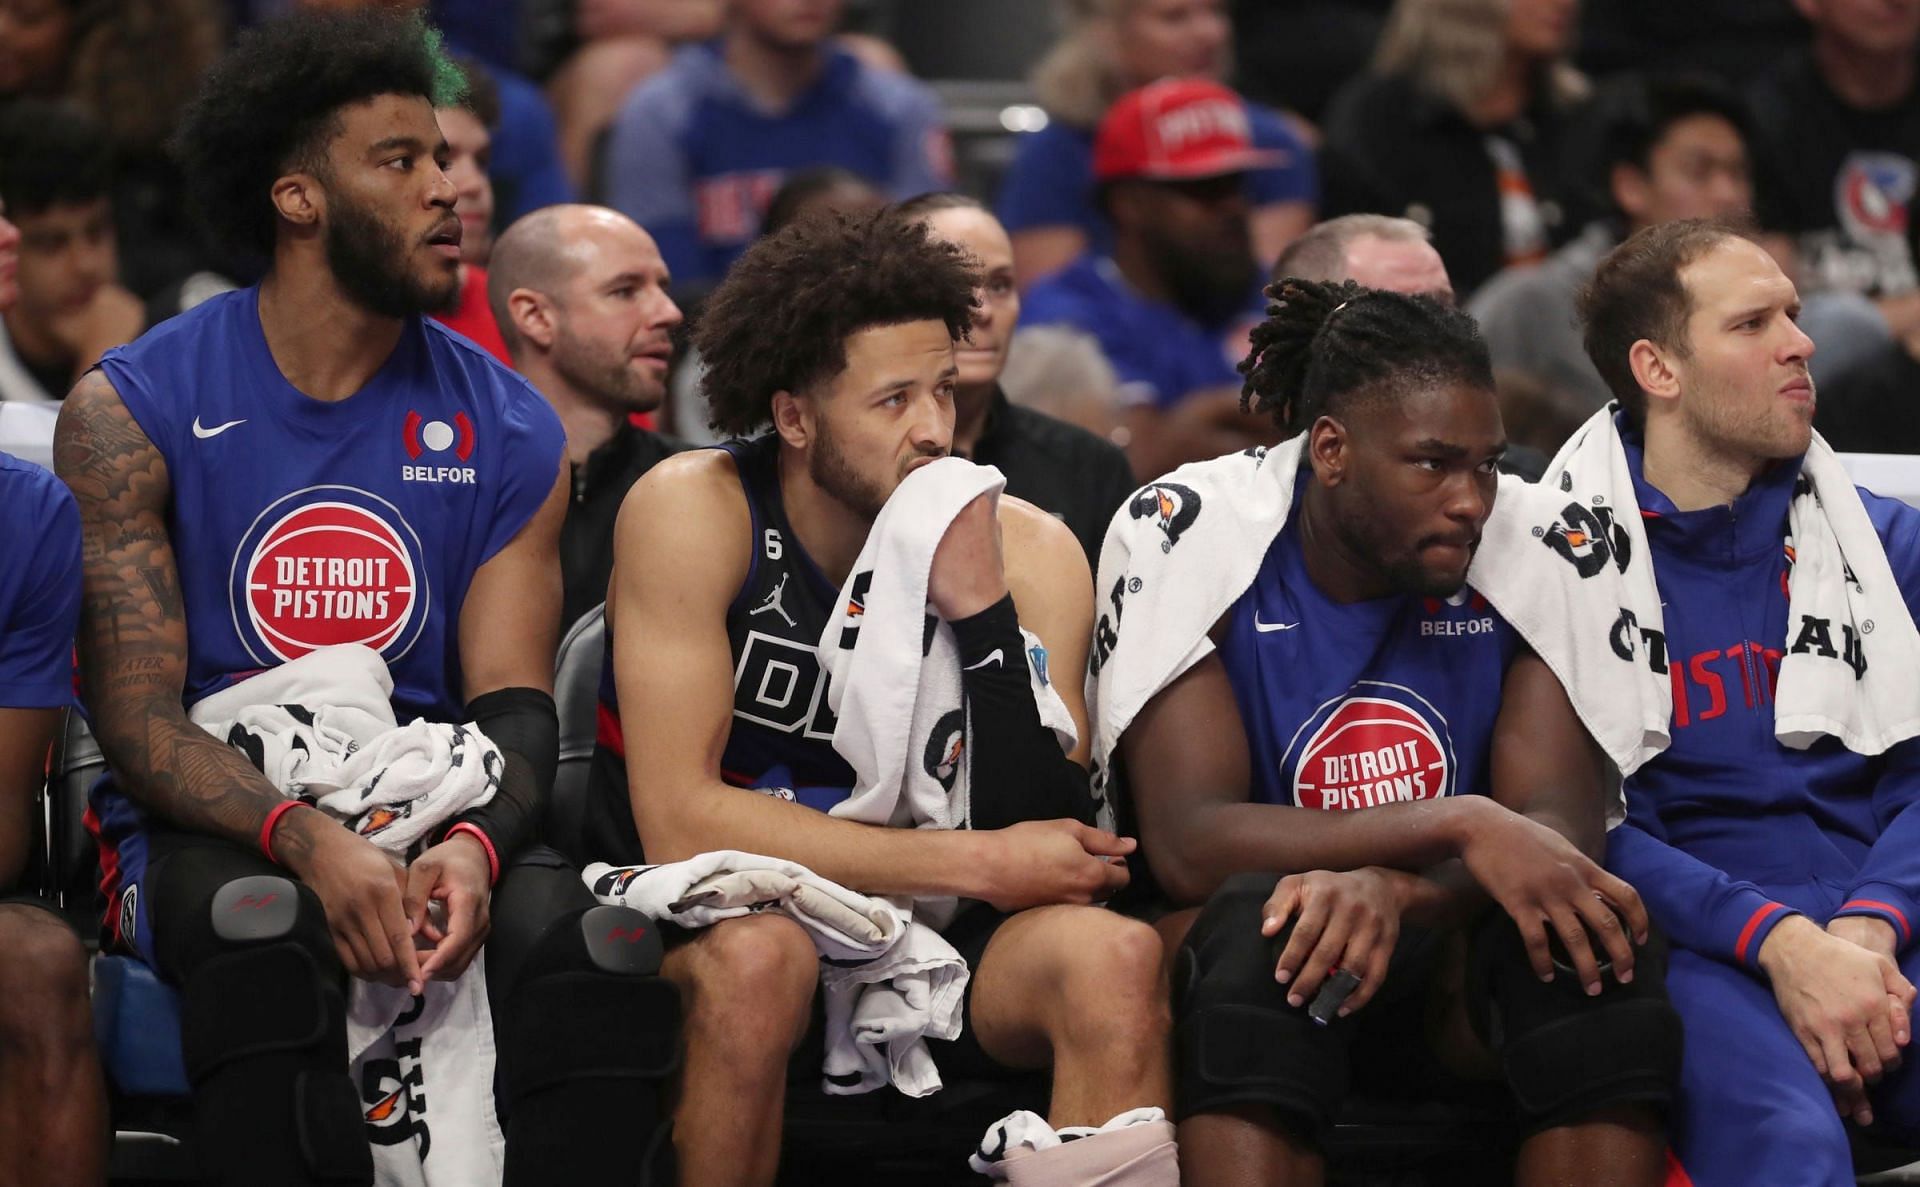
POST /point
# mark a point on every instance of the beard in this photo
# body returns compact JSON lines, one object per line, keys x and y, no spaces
{"x":1209,"y":284}
{"x":369,"y":257}
{"x":606,"y":375}
{"x":1403,"y":571}
{"x":830,"y":470}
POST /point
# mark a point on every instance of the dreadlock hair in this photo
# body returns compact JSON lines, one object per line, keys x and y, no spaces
{"x":781,"y":319}
{"x":1325,"y":344}
{"x":273,"y":104}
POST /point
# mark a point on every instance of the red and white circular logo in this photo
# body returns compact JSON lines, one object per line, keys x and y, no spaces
{"x":1376,"y":744}
{"x":329,"y":571}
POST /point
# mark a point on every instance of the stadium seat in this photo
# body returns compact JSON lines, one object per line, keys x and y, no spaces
{"x":576,"y":696}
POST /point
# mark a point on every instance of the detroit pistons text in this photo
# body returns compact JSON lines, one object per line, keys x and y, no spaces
{"x":331,"y":587}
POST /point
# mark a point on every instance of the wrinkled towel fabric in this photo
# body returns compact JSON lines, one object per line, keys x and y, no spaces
{"x":321,"y":728}
{"x":889,"y":983}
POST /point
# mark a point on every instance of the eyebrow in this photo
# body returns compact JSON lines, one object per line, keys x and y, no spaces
{"x":408,"y":142}
{"x":1443,"y":448}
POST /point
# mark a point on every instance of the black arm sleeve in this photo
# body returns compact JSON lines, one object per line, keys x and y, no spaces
{"x":1019,"y":772}
{"x":524,"y":724}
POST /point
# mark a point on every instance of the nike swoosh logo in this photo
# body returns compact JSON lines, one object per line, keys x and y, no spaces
{"x":216,"y":430}
{"x":995,"y":658}
{"x":1269,"y":627}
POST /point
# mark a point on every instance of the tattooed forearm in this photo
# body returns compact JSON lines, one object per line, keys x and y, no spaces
{"x":133,"y":628}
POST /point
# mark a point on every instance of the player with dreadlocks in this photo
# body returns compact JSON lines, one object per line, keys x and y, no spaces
{"x":306,"y":462}
{"x":1369,"y":782}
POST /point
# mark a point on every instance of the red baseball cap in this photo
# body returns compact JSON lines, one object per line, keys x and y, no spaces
{"x":1178,"y":129}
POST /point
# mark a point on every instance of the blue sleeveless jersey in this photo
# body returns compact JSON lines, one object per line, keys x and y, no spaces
{"x":1355,"y":705}
{"x":298,"y":523}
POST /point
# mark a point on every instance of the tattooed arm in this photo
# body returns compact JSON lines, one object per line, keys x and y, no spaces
{"x":133,"y":667}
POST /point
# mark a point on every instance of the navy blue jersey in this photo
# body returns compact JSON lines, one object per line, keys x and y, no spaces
{"x":781,"y":734}
{"x":39,"y":587}
{"x":298,"y":523}
{"x":1354,"y":705}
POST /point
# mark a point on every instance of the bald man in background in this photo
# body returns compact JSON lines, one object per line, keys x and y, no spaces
{"x":1375,"y":251}
{"x":580,"y":294}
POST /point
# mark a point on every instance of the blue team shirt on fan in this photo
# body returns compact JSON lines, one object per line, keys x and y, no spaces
{"x":1355,"y":705}
{"x":695,"y":160}
{"x":1050,"y":183}
{"x":39,"y":587}
{"x":1160,"y":355}
{"x":298,"y":523}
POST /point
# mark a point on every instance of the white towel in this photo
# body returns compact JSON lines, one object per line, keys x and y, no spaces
{"x":1135,"y":1149}
{"x":889,"y":983}
{"x":1851,"y":647}
{"x":1187,"y":546}
{"x":895,"y":687}
{"x":321,"y":728}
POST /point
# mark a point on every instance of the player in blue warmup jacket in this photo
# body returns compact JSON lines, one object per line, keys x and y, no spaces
{"x":53,"y":1105}
{"x":307,"y":462}
{"x":1788,"y":881}
{"x":1373,"y":735}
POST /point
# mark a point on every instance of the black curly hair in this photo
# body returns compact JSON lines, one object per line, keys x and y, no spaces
{"x":273,"y":102}
{"x":781,"y":319}
{"x":1324,"y":344}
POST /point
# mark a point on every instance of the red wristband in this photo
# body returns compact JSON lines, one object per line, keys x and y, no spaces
{"x":493,"y":858}
{"x":273,"y":818}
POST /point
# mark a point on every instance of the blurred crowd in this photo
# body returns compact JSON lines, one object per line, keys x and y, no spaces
{"x":1151,"y":163}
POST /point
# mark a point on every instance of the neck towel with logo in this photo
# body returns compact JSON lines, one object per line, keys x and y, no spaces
{"x":1186,"y":546}
{"x":1859,"y":689}
{"x":321,"y":728}
{"x":889,"y":983}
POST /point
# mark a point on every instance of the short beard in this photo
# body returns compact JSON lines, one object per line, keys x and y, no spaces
{"x":368,"y":257}
{"x":610,"y":382}
{"x":1208,"y":286}
{"x":1404,"y":575}
{"x":832,"y":473}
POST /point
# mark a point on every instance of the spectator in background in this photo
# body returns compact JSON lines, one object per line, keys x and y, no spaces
{"x":36,"y":37}
{"x":526,"y":168}
{"x":1372,"y":250}
{"x":56,"y":179}
{"x":1275,"y":65}
{"x":1837,"y":162}
{"x":805,"y":194}
{"x":1676,"y":147}
{"x":1172,"y":304}
{"x":1071,"y":474}
{"x":581,"y":294}
{"x":1460,"y":127}
{"x":699,"y":149}
{"x":1111,"y":47}
{"x":468,"y":126}
{"x":1063,"y":372}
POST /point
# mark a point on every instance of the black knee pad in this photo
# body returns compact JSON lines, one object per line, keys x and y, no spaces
{"x":1567,"y":1055}
{"x":263,"y":1029}
{"x":1236,"y":1040}
{"x":589,"y":1040}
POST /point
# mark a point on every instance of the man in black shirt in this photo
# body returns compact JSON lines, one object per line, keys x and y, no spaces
{"x":1060,"y":468}
{"x":580,"y":294}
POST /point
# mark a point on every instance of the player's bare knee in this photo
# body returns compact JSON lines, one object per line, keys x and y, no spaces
{"x":1111,"y":979}
{"x":43,"y":982}
{"x":753,"y":980}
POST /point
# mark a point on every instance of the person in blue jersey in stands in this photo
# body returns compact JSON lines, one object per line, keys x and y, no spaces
{"x":1369,"y":772}
{"x":1109,"y":47}
{"x":313,"y":461}
{"x":698,"y":150}
{"x":53,"y":1103}
{"x":1787,"y":877}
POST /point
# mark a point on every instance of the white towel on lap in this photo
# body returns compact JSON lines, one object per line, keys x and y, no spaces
{"x":889,"y":983}
{"x":321,"y":728}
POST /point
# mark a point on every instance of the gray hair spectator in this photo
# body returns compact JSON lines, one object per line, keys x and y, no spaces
{"x":1373,"y":250}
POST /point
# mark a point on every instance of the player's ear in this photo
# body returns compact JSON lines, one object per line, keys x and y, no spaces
{"x":793,"y":419}
{"x":299,"y":198}
{"x":1327,"y":446}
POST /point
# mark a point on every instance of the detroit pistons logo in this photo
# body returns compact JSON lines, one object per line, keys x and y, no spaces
{"x":324,"y":566}
{"x":1376,"y":743}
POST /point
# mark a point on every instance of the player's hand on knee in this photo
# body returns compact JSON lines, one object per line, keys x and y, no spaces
{"x":1543,"y":881}
{"x":1040,"y":862}
{"x":361,"y":888}
{"x":1348,"y":920}
{"x":969,"y":572}
{"x":456,"y":874}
